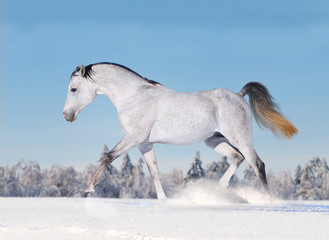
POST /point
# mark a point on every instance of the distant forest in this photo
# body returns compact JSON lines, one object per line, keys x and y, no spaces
{"x":27,"y":179}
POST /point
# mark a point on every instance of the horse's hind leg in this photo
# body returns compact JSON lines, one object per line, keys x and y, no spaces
{"x":258,"y":165}
{"x":149,"y":157}
{"x":221,"y":145}
{"x":260,"y":171}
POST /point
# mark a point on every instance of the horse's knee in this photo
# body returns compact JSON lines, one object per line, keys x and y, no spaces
{"x":238,"y":159}
{"x":236,"y":156}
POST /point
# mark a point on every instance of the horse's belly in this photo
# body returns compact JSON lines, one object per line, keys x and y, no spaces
{"x":183,"y":128}
{"x":179,"y":137}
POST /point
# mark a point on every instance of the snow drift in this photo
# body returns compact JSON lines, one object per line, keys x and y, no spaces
{"x":211,"y":216}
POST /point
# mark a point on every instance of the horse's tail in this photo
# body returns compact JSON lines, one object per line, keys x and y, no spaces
{"x":266,"y":112}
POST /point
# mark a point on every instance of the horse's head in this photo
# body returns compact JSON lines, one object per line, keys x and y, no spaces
{"x":81,"y":93}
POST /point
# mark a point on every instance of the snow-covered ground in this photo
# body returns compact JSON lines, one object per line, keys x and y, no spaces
{"x":197,"y":215}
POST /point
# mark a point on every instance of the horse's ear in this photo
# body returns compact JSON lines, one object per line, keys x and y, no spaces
{"x":82,"y":70}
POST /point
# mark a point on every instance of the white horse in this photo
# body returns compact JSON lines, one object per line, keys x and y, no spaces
{"x":151,"y":113}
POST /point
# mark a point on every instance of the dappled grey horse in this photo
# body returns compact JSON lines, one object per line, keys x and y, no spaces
{"x":151,"y":113}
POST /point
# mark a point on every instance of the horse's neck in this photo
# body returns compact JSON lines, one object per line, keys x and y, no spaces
{"x":119,"y":85}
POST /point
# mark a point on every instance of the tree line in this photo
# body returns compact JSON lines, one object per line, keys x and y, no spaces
{"x":27,"y":179}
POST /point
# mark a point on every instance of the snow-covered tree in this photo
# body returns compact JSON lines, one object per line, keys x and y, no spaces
{"x":250,"y":178}
{"x":108,"y":185}
{"x":139,"y":173}
{"x":196,"y":171}
{"x":172,"y":183}
{"x":176,"y":177}
{"x":3,"y":181}
{"x":31,"y":179}
{"x":307,"y":182}
{"x":140,"y":184}
{"x":27,"y":179}
{"x":298,"y":175}
{"x":325,"y":180}
{"x":311,"y":181}
{"x":13,"y":188}
{"x":65,"y":179}
{"x":281,"y":185}
{"x":126,"y":176}
{"x":320,"y":169}
{"x":127,"y":168}
{"x":216,"y":170}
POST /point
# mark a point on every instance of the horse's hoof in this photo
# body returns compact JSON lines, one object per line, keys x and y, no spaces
{"x":88,"y":194}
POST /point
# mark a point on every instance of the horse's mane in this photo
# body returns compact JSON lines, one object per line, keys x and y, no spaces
{"x":89,"y":72}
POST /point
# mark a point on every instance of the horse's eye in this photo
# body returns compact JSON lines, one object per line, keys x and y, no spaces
{"x":73,"y":89}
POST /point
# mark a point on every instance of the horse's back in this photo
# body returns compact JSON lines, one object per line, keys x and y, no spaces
{"x":226,"y":101}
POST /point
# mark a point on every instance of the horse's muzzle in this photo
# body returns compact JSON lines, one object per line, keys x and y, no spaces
{"x":70,"y":118}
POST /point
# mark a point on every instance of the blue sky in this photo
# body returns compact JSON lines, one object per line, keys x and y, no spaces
{"x":185,"y":45}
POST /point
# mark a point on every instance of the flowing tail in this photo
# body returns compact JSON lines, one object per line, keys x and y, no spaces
{"x":267,"y":112}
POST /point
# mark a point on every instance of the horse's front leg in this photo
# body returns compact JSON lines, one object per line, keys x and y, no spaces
{"x":122,"y":147}
{"x":149,"y":157}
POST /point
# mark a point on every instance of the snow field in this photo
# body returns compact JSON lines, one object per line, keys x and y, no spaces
{"x":200,"y":213}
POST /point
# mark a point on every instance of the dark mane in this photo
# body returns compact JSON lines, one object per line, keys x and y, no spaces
{"x":89,"y":72}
